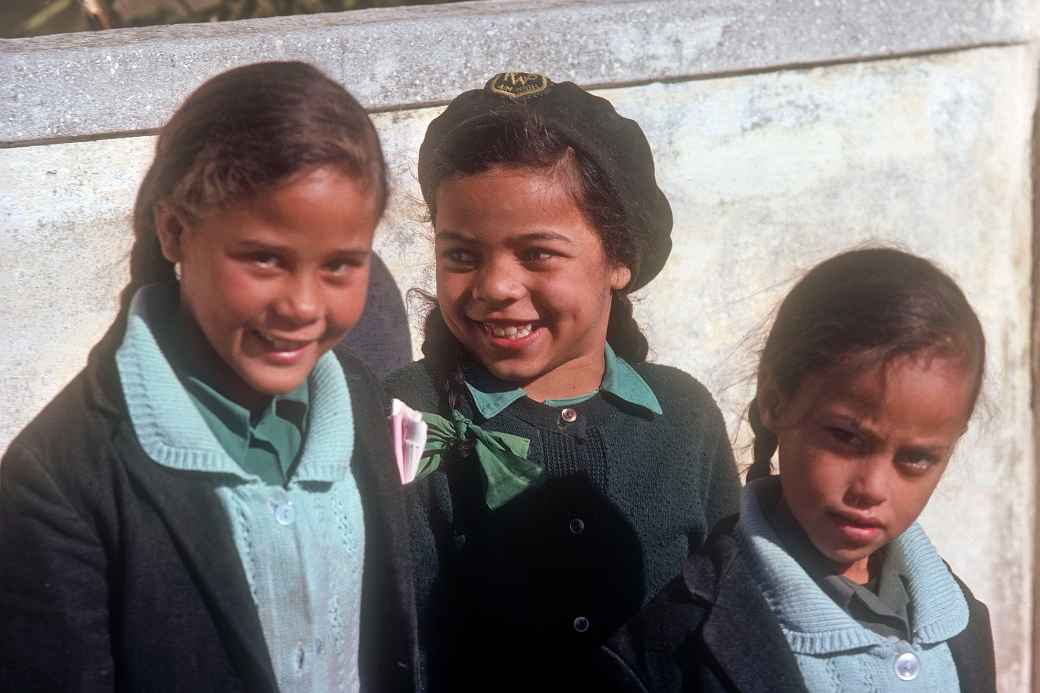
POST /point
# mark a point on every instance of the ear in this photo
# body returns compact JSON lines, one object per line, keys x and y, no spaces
{"x":169,"y":229}
{"x":620,"y":276}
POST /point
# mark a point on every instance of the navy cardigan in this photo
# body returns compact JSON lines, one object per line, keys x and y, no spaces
{"x":117,"y":573}
{"x":711,"y":631}
{"x":521,"y":597}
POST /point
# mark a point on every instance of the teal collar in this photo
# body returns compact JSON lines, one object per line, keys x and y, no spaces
{"x":491,"y":395}
{"x":172,"y":430}
{"x":810,"y":619}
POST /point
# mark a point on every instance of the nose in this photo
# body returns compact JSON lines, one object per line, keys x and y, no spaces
{"x":300,"y":302}
{"x":869,"y":485}
{"x":498,"y":281}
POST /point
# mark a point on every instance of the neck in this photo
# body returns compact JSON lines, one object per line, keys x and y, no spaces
{"x":576,"y":377}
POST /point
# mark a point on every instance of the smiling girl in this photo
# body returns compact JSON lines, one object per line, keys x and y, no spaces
{"x":570,"y":477}
{"x":209,"y":505}
{"x":826,"y":583}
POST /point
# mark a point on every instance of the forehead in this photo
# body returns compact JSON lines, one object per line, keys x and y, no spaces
{"x":521,"y":196}
{"x":320,"y":205}
{"x":919,"y":392}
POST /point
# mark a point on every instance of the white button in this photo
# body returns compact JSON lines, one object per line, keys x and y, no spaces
{"x":568,"y":415}
{"x":581,"y":624}
{"x":284,"y":513}
{"x":908,"y":666}
{"x":577,"y":526}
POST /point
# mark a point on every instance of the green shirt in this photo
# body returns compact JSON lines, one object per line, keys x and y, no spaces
{"x":491,"y":395}
{"x":264,"y":444}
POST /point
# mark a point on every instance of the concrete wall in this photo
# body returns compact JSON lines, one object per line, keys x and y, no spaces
{"x":783,"y":132}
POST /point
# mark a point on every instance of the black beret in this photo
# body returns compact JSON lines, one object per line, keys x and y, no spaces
{"x":615,"y":145}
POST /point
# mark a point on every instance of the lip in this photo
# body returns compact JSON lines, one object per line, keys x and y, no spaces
{"x":857,"y":528}
{"x":507,"y":343}
{"x":280,"y":350}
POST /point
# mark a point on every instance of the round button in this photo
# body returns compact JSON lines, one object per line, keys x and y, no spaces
{"x":284,"y":513}
{"x":577,"y":526}
{"x":581,"y":624}
{"x":568,"y":415}
{"x":908,"y":666}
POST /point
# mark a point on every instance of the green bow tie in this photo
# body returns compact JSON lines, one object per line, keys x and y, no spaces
{"x":502,"y":457}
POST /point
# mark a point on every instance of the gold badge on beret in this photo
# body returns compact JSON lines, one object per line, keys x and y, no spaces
{"x":518,"y":85}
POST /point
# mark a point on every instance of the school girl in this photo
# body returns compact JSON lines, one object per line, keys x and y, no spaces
{"x":571,"y":476}
{"x":826,"y":582}
{"x":210,"y":504}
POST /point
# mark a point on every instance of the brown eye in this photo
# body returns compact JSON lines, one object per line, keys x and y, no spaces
{"x":264,"y":260}
{"x":459,"y":256}
{"x":916,"y":463}
{"x":343,"y":265}
{"x":846,"y":438}
{"x":533,"y":255}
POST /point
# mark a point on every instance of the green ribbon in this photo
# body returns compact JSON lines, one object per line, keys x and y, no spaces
{"x":502,"y":456}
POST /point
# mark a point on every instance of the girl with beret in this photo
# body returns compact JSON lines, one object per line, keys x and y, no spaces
{"x":210,"y":504}
{"x":565,"y":478}
{"x":826,"y":582}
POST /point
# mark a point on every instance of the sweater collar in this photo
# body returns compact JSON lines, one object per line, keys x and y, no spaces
{"x":813,"y":623}
{"x":491,"y":396}
{"x":173,"y":432}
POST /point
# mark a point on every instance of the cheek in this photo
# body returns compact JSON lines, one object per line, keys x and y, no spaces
{"x":911,"y":496}
{"x":811,"y":474}
{"x":348,"y":304}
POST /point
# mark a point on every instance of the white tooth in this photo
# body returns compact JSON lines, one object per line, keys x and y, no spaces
{"x":511,"y":332}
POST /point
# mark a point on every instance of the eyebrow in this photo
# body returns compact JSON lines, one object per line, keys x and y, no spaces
{"x":249,"y":245}
{"x":450,"y":235}
{"x":868,"y":432}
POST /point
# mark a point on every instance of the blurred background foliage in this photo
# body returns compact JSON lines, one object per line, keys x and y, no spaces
{"x":37,"y":17}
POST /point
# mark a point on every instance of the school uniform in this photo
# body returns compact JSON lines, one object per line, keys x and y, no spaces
{"x":521,"y":594}
{"x":156,"y":537}
{"x":744,"y":616}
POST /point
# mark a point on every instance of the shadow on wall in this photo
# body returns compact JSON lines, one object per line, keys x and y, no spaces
{"x":381,"y":338}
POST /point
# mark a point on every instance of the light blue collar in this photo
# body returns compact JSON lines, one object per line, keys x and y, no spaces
{"x":491,"y":395}
{"x":173,"y":432}
{"x":813,"y":623}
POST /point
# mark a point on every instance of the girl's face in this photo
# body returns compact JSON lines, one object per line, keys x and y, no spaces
{"x":276,"y":281}
{"x":523,"y":281}
{"x":861,"y":453}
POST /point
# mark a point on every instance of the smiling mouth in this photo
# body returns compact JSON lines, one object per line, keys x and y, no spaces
{"x":509,"y":331}
{"x":281,"y":344}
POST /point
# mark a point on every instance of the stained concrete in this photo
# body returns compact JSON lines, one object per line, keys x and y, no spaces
{"x":125,"y":81}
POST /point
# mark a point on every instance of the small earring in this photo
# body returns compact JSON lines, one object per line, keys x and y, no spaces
{"x":177,"y":270}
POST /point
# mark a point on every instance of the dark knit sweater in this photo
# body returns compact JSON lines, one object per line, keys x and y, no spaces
{"x":117,"y":573}
{"x":520,"y":596}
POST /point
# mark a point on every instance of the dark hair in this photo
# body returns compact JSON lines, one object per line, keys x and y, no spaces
{"x":241,"y":133}
{"x":523,"y":139}
{"x":863,"y":308}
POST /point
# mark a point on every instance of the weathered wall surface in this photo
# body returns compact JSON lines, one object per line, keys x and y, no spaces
{"x":768,"y":172}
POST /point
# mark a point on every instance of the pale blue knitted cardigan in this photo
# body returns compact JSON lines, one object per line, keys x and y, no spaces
{"x":833,"y":651}
{"x":305,"y":574}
